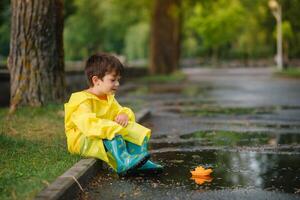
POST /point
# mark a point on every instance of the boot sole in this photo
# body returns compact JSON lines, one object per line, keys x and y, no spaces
{"x":139,"y":164}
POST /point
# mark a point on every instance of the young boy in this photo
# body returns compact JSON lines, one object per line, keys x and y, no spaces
{"x":97,"y":126}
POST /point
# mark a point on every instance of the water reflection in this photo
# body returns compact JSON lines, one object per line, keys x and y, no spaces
{"x":222,"y":138}
{"x":234,"y":169}
{"x":236,"y":175}
{"x":201,"y":180}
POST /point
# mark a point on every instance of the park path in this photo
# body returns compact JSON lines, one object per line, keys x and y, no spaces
{"x":243,"y":123}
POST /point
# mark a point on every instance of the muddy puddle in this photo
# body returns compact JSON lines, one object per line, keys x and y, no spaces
{"x":236,"y":175}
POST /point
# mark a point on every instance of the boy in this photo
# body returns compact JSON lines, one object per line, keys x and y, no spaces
{"x":97,"y":126}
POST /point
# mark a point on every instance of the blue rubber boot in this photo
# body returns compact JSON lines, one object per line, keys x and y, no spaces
{"x":150,"y":166}
{"x":125,"y":162}
{"x":134,"y":149}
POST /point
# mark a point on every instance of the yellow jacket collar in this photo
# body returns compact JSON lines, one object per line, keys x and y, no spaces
{"x":79,"y":97}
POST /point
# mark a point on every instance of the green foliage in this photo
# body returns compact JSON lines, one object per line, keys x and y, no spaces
{"x":190,"y":46}
{"x":290,"y":12}
{"x":101,"y":26}
{"x":228,"y":27}
{"x":255,"y":41}
{"x":69,"y":8}
{"x":82,"y":33}
{"x":287,"y":32}
{"x":4,"y":39}
{"x":219,"y":28}
{"x":4,"y":27}
{"x":4,"y":8}
{"x":234,"y":28}
{"x":136,"y":41}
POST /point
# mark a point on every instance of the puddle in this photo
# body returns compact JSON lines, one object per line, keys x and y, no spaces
{"x":224,"y":138}
{"x":236,"y":175}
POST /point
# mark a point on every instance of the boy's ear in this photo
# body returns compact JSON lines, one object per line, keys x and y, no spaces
{"x":95,"y":80}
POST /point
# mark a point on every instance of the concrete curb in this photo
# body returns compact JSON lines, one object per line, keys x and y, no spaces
{"x":71,"y":182}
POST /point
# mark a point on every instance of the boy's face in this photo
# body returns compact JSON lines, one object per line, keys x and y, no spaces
{"x":108,"y":85}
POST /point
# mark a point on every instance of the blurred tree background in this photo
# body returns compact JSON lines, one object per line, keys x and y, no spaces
{"x":113,"y":25}
{"x":211,"y":30}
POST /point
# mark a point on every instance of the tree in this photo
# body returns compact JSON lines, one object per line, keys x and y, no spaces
{"x":101,"y":26}
{"x":36,"y":58}
{"x":165,"y":36}
{"x":218,"y":23}
{"x":291,"y":14}
{"x":83,"y":32}
{"x":136,"y":41}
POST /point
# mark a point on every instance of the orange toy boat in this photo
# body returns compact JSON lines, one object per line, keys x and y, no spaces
{"x":201,"y":180}
{"x":201,"y":171}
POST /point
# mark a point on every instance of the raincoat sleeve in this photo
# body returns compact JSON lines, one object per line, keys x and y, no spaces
{"x":91,"y":126}
{"x":120,"y":109}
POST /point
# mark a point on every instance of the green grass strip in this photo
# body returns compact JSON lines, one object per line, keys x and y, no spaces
{"x":290,"y":72}
{"x":32,"y":151}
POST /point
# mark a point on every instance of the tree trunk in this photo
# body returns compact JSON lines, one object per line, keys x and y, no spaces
{"x":285,"y":54}
{"x":36,"y":58}
{"x":165,"y":36}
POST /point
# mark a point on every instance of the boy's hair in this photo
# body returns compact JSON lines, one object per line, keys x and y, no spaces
{"x":100,"y":64}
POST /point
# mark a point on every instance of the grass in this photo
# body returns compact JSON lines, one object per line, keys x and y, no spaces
{"x":290,"y":72}
{"x":215,"y":110}
{"x":230,"y":138}
{"x":172,"y":78}
{"x":32,"y":150}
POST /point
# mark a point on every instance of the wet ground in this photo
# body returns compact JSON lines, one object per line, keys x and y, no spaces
{"x":242,"y":123}
{"x":237,"y":175}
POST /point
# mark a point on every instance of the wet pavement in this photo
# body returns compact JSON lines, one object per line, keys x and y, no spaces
{"x":242,"y":123}
{"x":236,"y":175}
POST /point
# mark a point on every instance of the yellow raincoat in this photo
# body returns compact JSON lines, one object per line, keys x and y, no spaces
{"x":89,"y":119}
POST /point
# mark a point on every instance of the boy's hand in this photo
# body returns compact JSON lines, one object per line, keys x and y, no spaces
{"x":122,"y":119}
